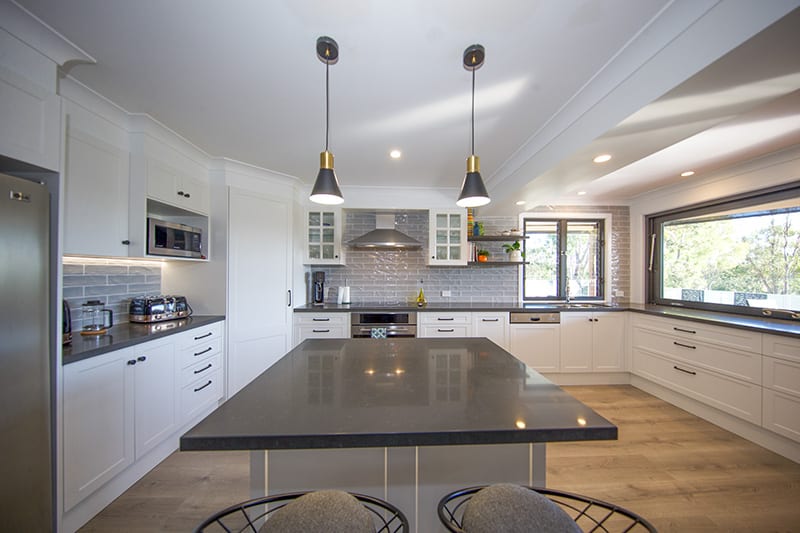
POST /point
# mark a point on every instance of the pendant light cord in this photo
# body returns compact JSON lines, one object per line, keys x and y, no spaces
{"x":473,"y":112}
{"x":327,"y":105}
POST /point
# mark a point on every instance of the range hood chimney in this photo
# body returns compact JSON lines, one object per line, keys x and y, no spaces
{"x":385,"y":236}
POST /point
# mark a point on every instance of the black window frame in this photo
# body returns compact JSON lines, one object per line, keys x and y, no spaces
{"x":561,"y":242}
{"x":653,"y":266}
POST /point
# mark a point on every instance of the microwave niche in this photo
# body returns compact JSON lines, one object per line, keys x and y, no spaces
{"x":172,"y":239}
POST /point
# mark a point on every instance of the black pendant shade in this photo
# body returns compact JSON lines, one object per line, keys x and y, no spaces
{"x":326,"y":187}
{"x":473,"y":191}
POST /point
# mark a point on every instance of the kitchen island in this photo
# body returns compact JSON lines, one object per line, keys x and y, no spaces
{"x":401,"y":419}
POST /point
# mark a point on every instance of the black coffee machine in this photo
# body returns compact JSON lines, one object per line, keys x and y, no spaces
{"x":318,"y":288}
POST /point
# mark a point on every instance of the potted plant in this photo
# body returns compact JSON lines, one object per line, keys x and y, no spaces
{"x":483,"y":256}
{"x":514,"y":251}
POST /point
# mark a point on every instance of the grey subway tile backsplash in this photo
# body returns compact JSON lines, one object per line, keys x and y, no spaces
{"x":113,"y":282}
{"x":393,"y":277}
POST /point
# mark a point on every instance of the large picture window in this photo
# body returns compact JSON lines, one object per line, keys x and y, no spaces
{"x":564,"y":259}
{"x":738,"y":254}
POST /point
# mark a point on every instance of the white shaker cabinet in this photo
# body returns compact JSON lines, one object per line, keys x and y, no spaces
{"x":155,"y":408}
{"x":174,"y":187}
{"x":259,"y":284}
{"x":324,"y":237}
{"x":201,"y":369}
{"x":321,"y":326}
{"x":96,"y":182}
{"x":492,"y":325}
{"x":781,"y":392}
{"x":447,"y":237}
{"x":444,"y":324}
{"x":98,"y":422}
{"x":593,"y":341}
{"x":536,"y":345}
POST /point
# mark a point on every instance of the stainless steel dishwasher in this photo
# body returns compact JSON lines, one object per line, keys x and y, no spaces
{"x":534,"y":339}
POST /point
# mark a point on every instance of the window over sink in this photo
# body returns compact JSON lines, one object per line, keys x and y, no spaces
{"x":739,"y":254}
{"x":565,"y":258}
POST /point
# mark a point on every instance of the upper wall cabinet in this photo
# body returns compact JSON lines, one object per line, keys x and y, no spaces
{"x":29,"y":105}
{"x":447,"y":240}
{"x":324,"y":237}
{"x":172,"y":187}
{"x":96,"y":175}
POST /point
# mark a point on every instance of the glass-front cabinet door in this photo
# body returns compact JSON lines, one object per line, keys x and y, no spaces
{"x":324,"y":237}
{"x":448,"y":237}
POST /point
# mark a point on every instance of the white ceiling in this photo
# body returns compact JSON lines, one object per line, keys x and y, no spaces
{"x":563,"y":80}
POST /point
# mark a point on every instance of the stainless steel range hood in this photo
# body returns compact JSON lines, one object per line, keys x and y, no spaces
{"x":385,"y":236}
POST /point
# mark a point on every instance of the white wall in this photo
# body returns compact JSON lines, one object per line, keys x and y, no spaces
{"x":768,"y":171}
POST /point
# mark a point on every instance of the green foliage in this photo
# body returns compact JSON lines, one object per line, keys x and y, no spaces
{"x":742,"y":255}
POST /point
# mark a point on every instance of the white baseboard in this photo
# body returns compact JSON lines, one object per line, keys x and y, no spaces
{"x":589,"y":378}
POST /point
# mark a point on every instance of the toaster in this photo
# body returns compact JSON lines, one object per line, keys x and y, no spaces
{"x":147,"y":309}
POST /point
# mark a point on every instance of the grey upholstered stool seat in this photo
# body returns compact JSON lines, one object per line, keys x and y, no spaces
{"x":326,"y":511}
{"x":506,"y":508}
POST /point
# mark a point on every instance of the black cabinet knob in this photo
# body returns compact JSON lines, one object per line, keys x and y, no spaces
{"x":141,"y":358}
{"x":132,"y":362}
{"x":126,"y":242}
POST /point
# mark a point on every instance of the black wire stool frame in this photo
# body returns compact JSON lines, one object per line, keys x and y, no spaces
{"x":248,"y":515}
{"x":591,"y":514}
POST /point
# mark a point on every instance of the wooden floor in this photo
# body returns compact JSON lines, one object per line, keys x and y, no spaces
{"x":680,"y":472}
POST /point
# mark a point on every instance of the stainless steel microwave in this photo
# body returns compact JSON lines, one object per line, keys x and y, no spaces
{"x":175,"y":240}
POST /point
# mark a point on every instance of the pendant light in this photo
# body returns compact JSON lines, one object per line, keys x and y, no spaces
{"x":473,"y":191}
{"x":326,"y":188}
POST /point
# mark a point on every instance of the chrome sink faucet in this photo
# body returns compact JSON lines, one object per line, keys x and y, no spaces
{"x":566,"y":291}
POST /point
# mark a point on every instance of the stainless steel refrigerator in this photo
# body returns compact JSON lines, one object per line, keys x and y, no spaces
{"x":26,"y":366}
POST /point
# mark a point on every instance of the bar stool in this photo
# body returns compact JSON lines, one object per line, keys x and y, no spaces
{"x":324,"y":511}
{"x":511,"y":508}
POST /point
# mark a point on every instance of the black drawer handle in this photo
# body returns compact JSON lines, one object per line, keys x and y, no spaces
{"x":685,"y":330}
{"x":684,"y":345}
{"x":321,"y":319}
{"x":684,"y":370}
{"x":490,"y":319}
{"x":204,"y":336}
{"x":534,"y":319}
{"x":209,"y":365}
{"x":440,"y":330}
{"x":320,"y":331}
{"x":204,"y":351}
{"x":446,"y":319}
{"x":203,"y":387}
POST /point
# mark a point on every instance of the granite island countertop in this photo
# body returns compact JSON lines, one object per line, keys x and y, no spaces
{"x":129,"y":334}
{"x":353,"y":393}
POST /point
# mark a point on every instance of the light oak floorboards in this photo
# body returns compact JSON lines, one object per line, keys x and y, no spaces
{"x":678,"y":471}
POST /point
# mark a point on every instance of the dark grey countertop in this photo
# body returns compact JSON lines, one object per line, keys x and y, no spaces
{"x":129,"y":334}
{"x":790,"y":328}
{"x":337,"y":393}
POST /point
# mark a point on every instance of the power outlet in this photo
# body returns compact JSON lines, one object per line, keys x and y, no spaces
{"x":446,"y":294}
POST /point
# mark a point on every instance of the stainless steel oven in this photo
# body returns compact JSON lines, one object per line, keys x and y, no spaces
{"x":383,"y":324}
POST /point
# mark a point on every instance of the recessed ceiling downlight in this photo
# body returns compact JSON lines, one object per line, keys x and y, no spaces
{"x":602,"y":158}
{"x":395,"y":154}
{"x":520,"y":202}
{"x":581,"y":193}
{"x":687,"y":173}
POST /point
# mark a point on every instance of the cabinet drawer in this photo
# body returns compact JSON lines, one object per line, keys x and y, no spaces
{"x":734,"y":363}
{"x":327,"y":319}
{"x":696,"y":331}
{"x":322,"y":331}
{"x":782,"y":376}
{"x":199,"y":335}
{"x":200,"y":394}
{"x":201,"y":351}
{"x":200,"y":369}
{"x":783,"y":347}
{"x":445,"y":330}
{"x":782,"y":414}
{"x":727,"y":394}
{"x":444,"y":318}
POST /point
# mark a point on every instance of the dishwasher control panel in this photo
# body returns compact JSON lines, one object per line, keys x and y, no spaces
{"x":520,"y":317}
